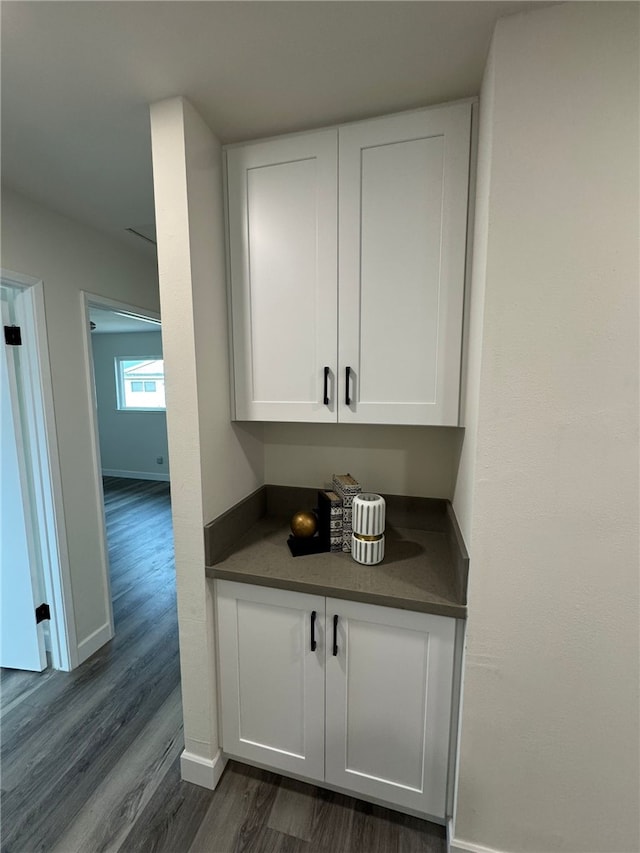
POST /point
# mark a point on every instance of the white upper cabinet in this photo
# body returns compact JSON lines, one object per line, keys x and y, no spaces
{"x":403,"y":218}
{"x":282,"y":243}
{"x":347,"y":292}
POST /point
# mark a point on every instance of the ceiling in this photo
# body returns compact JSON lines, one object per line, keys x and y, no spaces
{"x":77,"y":79}
{"x":111,"y":322}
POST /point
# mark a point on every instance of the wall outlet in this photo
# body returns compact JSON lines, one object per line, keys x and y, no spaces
{"x":159,"y":459}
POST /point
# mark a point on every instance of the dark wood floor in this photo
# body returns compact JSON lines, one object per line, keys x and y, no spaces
{"x":90,"y":758}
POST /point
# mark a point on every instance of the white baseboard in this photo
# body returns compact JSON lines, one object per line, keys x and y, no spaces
{"x":457,"y":845}
{"x":94,"y":642}
{"x":205,"y":772}
{"x":134,"y":475}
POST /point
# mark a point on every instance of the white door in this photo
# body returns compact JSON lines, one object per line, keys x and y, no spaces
{"x":388,"y":682}
{"x":403,"y":218}
{"x":271,"y":645}
{"x":282,"y":210}
{"x":22,"y":644}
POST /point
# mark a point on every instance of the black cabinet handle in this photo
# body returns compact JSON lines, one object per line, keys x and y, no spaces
{"x":335,"y":636}
{"x":325,"y":396}
{"x":313,"y":630}
{"x":347,"y":379}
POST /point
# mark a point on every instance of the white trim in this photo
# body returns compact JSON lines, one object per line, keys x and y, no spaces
{"x":205,"y":772}
{"x":94,"y":642}
{"x":457,"y":845}
{"x":120,"y":307}
{"x":18,"y":279}
{"x":48,"y":484}
{"x":134,"y":475}
{"x":131,"y":409}
{"x":87,"y":300}
{"x":46,"y":470}
{"x":24,"y":475}
{"x":95,"y":472}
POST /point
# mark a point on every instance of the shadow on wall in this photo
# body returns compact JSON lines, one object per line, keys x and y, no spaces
{"x":419,"y":461}
{"x":250,"y":437}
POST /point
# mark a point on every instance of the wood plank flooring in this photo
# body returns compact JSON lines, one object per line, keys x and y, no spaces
{"x":90,"y":759}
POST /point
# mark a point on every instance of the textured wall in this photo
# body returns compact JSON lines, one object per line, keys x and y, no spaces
{"x":213,"y":462}
{"x":549,"y":749}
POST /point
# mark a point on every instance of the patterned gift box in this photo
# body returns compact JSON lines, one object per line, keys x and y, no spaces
{"x":347,"y":487}
{"x":345,"y":484}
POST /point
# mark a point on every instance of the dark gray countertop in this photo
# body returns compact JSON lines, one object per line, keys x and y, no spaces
{"x":417,"y":573}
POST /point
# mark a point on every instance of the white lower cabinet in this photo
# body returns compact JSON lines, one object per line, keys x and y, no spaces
{"x":357,"y":696}
{"x":271,"y":681}
{"x":388,"y":704}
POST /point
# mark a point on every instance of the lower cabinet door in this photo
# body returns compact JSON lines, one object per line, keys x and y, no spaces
{"x":271,"y":679}
{"x":388,"y":707}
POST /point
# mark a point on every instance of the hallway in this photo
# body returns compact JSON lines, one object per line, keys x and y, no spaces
{"x":70,"y":773}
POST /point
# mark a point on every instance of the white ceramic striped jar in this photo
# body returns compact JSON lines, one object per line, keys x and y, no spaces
{"x":367,"y":541}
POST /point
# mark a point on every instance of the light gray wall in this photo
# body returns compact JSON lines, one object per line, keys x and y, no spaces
{"x":70,"y":257}
{"x":130,"y":442}
{"x":549,"y":753}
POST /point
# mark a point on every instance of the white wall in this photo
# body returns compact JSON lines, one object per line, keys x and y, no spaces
{"x":130,"y":442}
{"x":420,"y":461}
{"x":70,"y":257}
{"x":213,"y":462}
{"x":549,"y":747}
{"x":474,"y":314}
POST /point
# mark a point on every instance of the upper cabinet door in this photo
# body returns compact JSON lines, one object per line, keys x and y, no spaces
{"x":282,"y":208}
{"x":403,"y":190}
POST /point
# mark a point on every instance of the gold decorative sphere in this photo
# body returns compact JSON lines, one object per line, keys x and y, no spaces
{"x":304,"y":524}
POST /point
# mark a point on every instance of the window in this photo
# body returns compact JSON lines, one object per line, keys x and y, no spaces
{"x":140,"y":383}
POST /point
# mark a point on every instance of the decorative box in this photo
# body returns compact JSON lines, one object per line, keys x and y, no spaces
{"x":347,"y":488}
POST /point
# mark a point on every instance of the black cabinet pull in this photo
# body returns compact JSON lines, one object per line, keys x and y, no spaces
{"x":313,"y":630}
{"x":325,"y":396}
{"x":335,"y":636}
{"x":347,"y":379}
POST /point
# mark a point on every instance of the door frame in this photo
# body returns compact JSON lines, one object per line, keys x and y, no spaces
{"x":44,"y":467}
{"x":87,"y":301}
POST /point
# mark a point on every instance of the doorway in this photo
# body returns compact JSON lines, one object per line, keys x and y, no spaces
{"x":35,"y":598}
{"x":125,"y":371}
